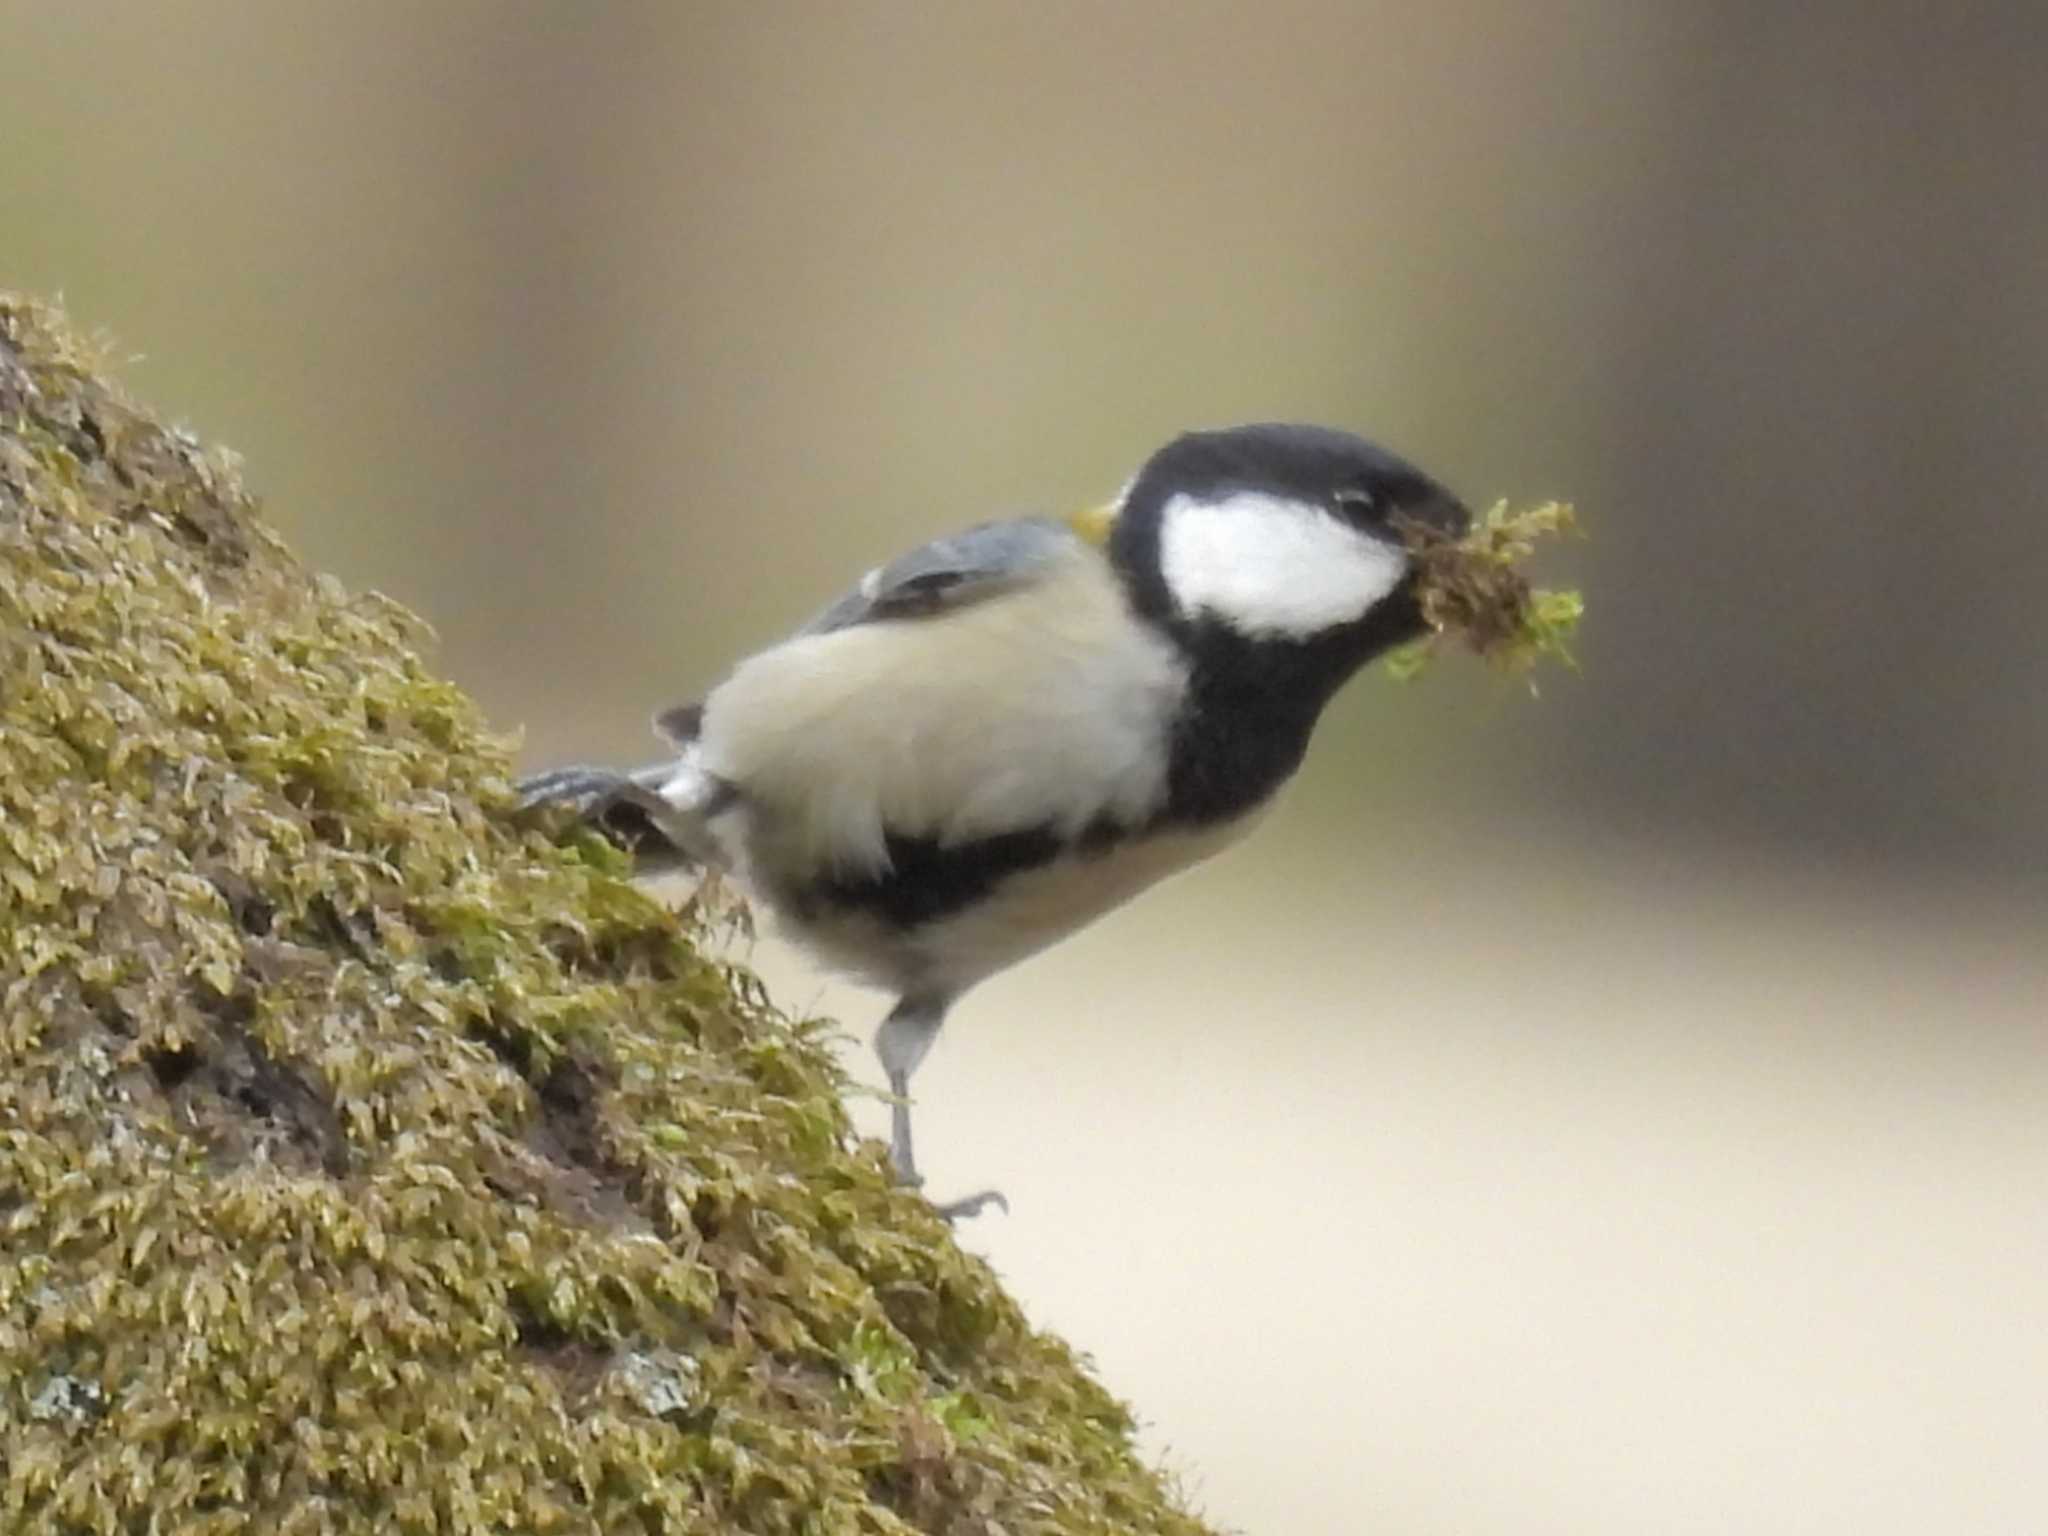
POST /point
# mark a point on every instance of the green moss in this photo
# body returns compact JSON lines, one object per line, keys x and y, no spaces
{"x":1473,"y":590}
{"x":370,"y":1163}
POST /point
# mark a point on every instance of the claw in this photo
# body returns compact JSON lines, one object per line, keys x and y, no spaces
{"x":578,"y":786}
{"x":972,"y":1205}
{"x":622,"y":806}
{"x":953,"y":1210}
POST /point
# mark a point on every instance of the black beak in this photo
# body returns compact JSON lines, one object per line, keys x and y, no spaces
{"x":1440,"y":512}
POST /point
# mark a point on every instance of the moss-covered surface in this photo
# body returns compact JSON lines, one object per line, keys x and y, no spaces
{"x":368,"y":1163}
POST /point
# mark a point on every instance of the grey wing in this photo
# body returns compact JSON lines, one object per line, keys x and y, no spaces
{"x":961,"y":568}
{"x":964,"y":567}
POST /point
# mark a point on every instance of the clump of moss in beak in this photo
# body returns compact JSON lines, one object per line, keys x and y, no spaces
{"x":1472,"y":589}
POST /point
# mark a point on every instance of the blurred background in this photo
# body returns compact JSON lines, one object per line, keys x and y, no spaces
{"x":1621,"y":1110}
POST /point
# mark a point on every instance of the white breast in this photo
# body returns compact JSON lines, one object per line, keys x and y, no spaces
{"x":1047,"y":706}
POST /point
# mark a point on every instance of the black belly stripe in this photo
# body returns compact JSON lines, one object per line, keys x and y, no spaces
{"x":928,"y":880}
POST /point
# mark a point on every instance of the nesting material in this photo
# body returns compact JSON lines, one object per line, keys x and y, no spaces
{"x":1473,"y":591}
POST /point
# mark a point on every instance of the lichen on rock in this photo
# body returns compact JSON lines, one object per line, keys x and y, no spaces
{"x":371,"y":1163}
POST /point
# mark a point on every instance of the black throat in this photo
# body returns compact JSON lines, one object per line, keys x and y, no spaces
{"x":1252,"y":705}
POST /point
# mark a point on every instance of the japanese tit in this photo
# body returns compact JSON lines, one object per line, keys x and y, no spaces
{"x":999,"y":737}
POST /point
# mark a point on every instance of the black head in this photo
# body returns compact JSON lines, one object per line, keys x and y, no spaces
{"x":1273,"y":557}
{"x":1278,"y":532}
{"x":1322,"y":465}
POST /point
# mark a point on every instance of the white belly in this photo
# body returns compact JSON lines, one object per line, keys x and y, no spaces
{"x":1023,"y":914}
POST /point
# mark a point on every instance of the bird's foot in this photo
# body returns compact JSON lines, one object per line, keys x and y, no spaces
{"x":580,"y":787}
{"x":952,"y":1210}
{"x":901,"y":1158}
{"x":616,"y":804}
{"x":904,"y":1166}
{"x":972,"y":1205}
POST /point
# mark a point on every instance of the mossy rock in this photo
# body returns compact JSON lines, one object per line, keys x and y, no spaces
{"x":369,"y":1162}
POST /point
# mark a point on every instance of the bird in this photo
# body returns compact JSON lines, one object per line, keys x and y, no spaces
{"x":1004,"y":734}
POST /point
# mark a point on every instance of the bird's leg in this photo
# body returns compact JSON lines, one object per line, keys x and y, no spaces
{"x":900,"y":1156}
{"x":902,"y":1041}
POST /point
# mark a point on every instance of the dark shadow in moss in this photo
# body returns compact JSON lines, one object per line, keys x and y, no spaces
{"x":243,"y":1102}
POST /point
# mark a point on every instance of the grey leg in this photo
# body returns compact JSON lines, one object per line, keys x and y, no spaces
{"x":900,"y":1154}
{"x":902,"y":1041}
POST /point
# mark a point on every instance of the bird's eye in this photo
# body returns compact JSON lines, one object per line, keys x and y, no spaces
{"x":1358,"y":502}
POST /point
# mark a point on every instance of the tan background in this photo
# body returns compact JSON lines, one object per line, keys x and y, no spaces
{"x":1622,"y":1112}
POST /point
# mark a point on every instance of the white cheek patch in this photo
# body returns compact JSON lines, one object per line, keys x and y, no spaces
{"x":1270,"y":566}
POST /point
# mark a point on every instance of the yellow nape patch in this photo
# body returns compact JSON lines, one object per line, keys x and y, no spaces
{"x":1093,"y":525}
